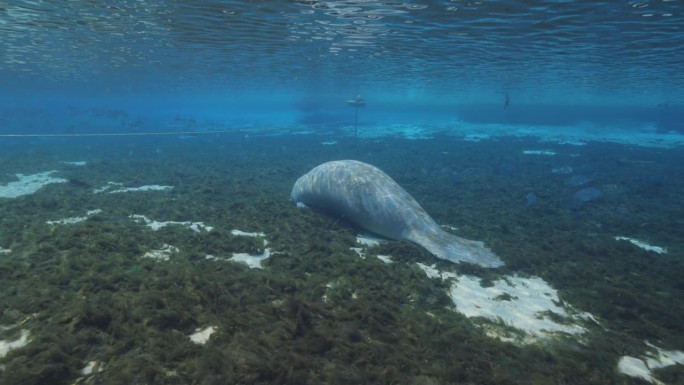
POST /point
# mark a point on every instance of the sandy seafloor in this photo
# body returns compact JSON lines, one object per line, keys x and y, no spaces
{"x":91,"y":298}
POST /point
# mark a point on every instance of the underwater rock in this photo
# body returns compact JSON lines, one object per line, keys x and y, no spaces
{"x":578,"y":180}
{"x":583,"y":196}
{"x":564,"y":170}
{"x":371,"y":199}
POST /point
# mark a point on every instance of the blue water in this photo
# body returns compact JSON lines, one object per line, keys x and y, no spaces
{"x":550,"y":130}
{"x":272,"y":62}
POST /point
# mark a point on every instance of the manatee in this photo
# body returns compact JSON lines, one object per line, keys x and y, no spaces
{"x":368,"y":197}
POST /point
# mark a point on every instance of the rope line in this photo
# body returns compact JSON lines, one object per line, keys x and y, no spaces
{"x":103,"y":134}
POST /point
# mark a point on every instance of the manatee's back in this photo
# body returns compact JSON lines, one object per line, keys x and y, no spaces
{"x":361,"y":193}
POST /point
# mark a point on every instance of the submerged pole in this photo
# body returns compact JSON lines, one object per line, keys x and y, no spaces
{"x":356,"y":123}
{"x":356,"y":102}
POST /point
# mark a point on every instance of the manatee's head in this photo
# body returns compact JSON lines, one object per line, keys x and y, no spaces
{"x":299,"y":189}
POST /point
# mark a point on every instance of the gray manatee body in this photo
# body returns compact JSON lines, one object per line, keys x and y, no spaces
{"x":371,"y":199}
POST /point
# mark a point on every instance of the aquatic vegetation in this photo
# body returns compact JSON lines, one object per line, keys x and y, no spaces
{"x":96,"y":311}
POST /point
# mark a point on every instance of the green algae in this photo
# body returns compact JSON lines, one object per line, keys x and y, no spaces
{"x":317,"y":313}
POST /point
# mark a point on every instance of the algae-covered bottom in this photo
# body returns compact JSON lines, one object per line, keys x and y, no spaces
{"x":133,"y":270}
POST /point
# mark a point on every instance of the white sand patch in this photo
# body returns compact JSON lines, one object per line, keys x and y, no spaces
{"x":76,"y":163}
{"x":645,"y":136}
{"x":519,"y":310}
{"x":110,"y":185}
{"x":239,"y":233}
{"x":361,"y":252}
{"x":642,"y":245}
{"x":251,"y":260}
{"x":72,"y":220}
{"x":432,"y":272}
{"x":28,"y":184}
{"x":5,"y":251}
{"x":634,"y":367}
{"x":152,"y":187}
{"x":575,"y":135}
{"x":539,"y":152}
{"x":92,"y":367}
{"x":529,"y":305}
{"x":7,"y":345}
{"x":328,"y":286}
{"x":519,"y":302}
{"x":106,"y":187}
{"x":198,"y":226}
{"x":643,"y":367}
{"x":369,"y":240}
{"x":162,"y":254}
{"x":201,"y":336}
{"x":155,"y":225}
{"x":339,"y":287}
{"x":572,"y":142}
{"x":476,"y":137}
{"x":408,"y":131}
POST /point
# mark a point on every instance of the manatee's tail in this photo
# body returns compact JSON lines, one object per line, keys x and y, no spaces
{"x":456,"y":249}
